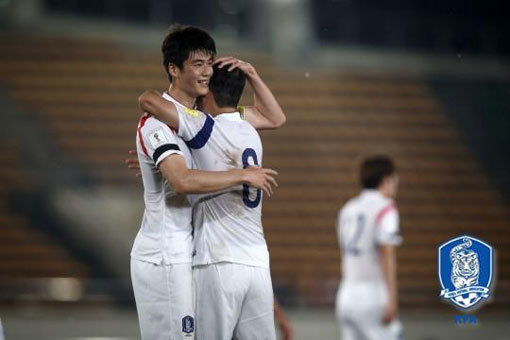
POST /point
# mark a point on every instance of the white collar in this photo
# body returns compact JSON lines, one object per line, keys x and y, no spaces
{"x":168,"y":97}
{"x":233,"y":116}
{"x":371,"y":192}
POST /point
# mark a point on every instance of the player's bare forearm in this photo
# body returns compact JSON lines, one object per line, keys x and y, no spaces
{"x":164,"y":110}
{"x":286,"y":330}
{"x":389,"y":264}
{"x":266,"y":113}
{"x":198,"y":181}
{"x":389,"y":269}
{"x":191,"y":181}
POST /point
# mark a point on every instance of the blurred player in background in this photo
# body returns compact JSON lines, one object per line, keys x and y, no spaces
{"x":162,"y":252}
{"x":234,"y":295}
{"x":368,"y":231}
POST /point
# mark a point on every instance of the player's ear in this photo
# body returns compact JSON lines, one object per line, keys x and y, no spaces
{"x":173,"y":70}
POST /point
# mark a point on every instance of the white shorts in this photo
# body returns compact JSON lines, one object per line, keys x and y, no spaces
{"x":360,"y":311}
{"x":164,"y":300}
{"x":233,"y":301}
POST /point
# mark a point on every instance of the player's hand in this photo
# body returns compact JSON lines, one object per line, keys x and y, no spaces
{"x":390,"y":313}
{"x":261,"y":178}
{"x":233,"y":63}
{"x":132,"y":163}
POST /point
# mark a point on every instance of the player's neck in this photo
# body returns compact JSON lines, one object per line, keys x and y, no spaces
{"x":385,"y":191}
{"x":387,"y":187}
{"x":181,"y":96}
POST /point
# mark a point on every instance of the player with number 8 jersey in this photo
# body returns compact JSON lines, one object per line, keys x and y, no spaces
{"x":230,"y":258}
{"x":228,"y":226}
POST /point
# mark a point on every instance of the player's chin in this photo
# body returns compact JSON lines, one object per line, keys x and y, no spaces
{"x":202,"y":90}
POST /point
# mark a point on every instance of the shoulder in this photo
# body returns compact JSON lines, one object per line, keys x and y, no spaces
{"x":247,"y":128}
{"x":388,"y":204}
{"x":349,"y":205}
{"x":149,"y":122}
{"x":150,"y":127}
{"x":386,"y":208}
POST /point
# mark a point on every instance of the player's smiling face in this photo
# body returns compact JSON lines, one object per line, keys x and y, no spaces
{"x":194,"y":76}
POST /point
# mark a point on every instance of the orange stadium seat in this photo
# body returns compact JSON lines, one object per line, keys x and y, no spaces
{"x":25,"y":249}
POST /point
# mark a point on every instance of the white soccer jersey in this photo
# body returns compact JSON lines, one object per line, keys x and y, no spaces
{"x":228,"y":226}
{"x":365,"y":222}
{"x":165,"y":235}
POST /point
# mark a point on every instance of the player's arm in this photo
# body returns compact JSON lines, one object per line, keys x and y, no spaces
{"x":159,"y":143}
{"x":387,"y":239}
{"x":190,"y":181}
{"x":265,"y":113}
{"x":286,"y":331}
{"x":151,"y":101}
{"x":253,"y":176}
{"x":389,"y":269}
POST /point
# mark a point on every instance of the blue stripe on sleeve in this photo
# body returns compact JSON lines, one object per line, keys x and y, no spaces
{"x":203,"y":135}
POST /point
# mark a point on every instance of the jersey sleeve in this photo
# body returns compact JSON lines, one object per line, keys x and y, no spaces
{"x":387,"y":226}
{"x":158,"y":141}
{"x":195,"y":127}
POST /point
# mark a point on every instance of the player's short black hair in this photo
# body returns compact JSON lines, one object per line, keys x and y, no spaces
{"x":374,"y":169}
{"x":227,"y":87}
{"x":181,"y":41}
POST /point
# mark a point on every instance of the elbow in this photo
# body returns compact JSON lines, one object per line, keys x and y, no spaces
{"x":281,"y":121}
{"x":145,"y":101}
{"x":181,"y":187}
{"x":278,"y":123}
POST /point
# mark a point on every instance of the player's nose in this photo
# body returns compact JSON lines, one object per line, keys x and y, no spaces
{"x":207,"y":71}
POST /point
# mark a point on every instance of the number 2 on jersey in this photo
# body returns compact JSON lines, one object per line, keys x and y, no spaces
{"x":351,"y":246}
{"x":247,"y":154}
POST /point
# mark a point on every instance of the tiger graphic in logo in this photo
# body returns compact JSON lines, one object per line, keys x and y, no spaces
{"x":465,"y":265}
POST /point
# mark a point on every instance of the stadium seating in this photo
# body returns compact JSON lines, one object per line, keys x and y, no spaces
{"x":26,"y":249}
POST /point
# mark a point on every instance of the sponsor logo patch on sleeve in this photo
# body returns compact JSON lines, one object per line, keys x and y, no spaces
{"x":157,"y":138}
{"x":191,"y":112}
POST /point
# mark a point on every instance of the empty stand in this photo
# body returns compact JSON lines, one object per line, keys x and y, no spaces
{"x":26,"y":250}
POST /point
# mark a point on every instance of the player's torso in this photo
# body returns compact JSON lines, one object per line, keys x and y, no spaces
{"x":228,"y":225}
{"x":166,"y":232}
{"x":357,"y":237}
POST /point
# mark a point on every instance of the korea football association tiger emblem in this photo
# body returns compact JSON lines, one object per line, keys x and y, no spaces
{"x":465,"y":271}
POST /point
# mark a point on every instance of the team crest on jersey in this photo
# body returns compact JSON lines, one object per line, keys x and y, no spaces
{"x":465,"y":271}
{"x":157,"y":138}
{"x":188,"y":324}
{"x":192,"y":112}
